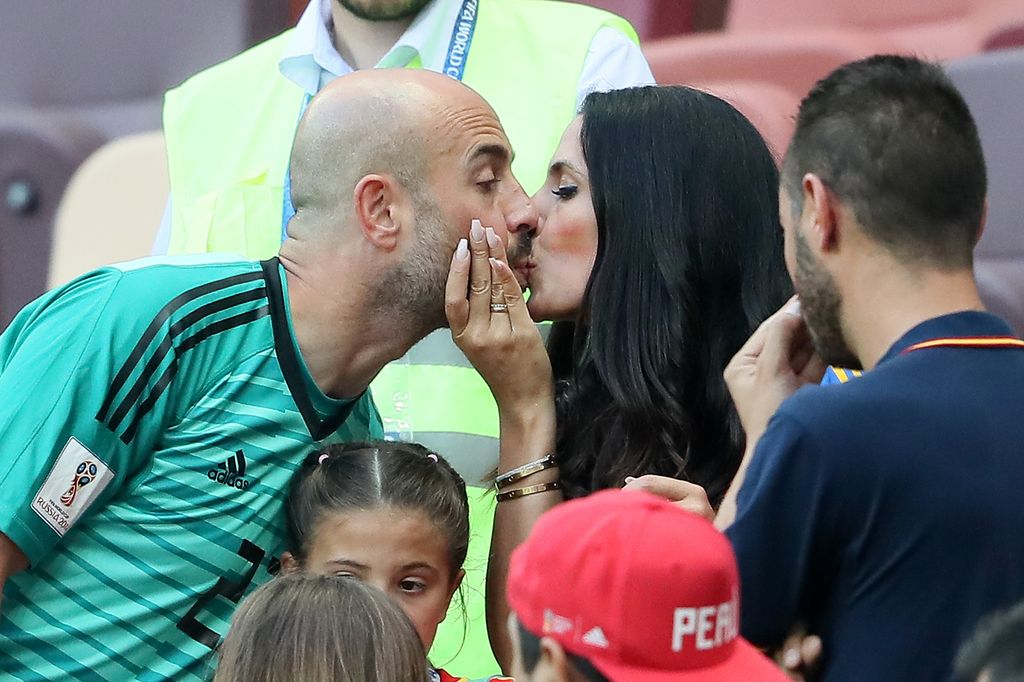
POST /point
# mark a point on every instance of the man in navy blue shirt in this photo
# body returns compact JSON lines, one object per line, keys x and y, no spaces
{"x":885,"y":514}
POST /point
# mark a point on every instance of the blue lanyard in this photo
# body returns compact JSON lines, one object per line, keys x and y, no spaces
{"x":454,"y":66}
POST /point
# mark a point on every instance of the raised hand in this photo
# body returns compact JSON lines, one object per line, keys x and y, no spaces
{"x":491,"y":325}
{"x":777,"y":360}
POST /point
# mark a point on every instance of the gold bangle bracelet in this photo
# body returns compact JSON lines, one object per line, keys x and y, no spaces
{"x":516,"y":493}
{"x":528,"y":469}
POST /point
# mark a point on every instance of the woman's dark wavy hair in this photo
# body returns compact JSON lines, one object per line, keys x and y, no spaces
{"x":689,"y":262}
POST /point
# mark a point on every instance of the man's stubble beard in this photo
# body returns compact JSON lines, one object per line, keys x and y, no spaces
{"x":383,"y":10}
{"x":413,"y":291}
{"x":821,"y":305}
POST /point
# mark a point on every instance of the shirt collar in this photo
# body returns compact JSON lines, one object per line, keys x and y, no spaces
{"x":966,"y":323}
{"x":310,"y":59}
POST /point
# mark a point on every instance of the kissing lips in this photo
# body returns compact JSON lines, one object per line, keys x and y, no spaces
{"x":523,"y":269}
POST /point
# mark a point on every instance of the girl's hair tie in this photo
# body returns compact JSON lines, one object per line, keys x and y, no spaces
{"x":432,"y":457}
{"x":323,"y":458}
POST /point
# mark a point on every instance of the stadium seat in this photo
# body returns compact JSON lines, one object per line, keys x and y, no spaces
{"x":129,"y":173}
{"x":792,"y":61}
{"x":77,"y":74}
{"x":937,"y":29}
{"x":993,"y":85}
{"x":770,"y":108}
{"x":653,"y":18}
{"x":1007,"y":38}
{"x":40,"y":152}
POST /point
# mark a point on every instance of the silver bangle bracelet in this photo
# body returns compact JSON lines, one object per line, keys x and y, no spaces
{"x":528,"y":469}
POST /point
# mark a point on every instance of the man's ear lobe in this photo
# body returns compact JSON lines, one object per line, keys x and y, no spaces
{"x":821,"y":203}
{"x":374,"y":199}
{"x":289,"y":564}
{"x":981,"y":223}
{"x":553,"y":658}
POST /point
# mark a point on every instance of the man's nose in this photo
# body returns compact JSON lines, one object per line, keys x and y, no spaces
{"x":520,"y":213}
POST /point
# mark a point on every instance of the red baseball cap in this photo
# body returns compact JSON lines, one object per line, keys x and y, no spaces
{"x":641,"y":588}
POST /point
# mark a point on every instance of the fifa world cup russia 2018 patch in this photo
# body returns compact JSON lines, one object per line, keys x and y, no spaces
{"x":76,"y":479}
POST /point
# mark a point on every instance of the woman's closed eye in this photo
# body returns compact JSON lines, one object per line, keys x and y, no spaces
{"x":565,"y":191}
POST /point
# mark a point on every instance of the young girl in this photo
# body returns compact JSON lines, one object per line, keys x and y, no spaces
{"x":393,"y":515}
{"x":320,"y":629}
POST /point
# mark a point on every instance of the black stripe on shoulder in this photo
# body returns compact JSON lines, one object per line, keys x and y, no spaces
{"x":158,"y":322}
{"x":172,"y":369}
{"x":291,"y":369}
{"x":165,"y":346}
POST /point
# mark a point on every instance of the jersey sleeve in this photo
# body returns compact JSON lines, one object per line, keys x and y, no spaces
{"x":784,"y":523}
{"x":66,"y":446}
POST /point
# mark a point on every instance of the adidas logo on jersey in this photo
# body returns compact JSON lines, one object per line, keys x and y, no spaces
{"x":231,"y":472}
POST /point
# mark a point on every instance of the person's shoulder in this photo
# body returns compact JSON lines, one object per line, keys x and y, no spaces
{"x":157,"y":276}
{"x":268,"y":51}
{"x":818,"y":404}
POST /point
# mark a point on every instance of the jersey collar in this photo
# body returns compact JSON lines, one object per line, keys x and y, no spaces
{"x":322,"y":414}
{"x":965,"y":323}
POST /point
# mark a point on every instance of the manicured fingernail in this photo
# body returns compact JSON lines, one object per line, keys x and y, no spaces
{"x":630,"y":479}
{"x":794,"y":308}
{"x":476,"y":231}
{"x":791,"y":658}
{"x":495,"y":264}
{"x":492,"y":238}
{"x":462,"y":251}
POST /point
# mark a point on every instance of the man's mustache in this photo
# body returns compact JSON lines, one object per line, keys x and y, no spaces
{"x":520,"y":246}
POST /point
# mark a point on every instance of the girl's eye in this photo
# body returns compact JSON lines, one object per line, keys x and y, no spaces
{"x":410,"y":585}
{"x":345,"y":574}
{"x":488,"y":186}
{"x":565,"y":191}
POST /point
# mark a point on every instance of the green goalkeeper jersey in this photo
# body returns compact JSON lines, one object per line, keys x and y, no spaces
{"x":151,"y":416}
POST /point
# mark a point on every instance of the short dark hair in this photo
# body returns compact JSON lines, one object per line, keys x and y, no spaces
{"x":529,"y":649}
{"x":997,"y":646}
{"x":895,"y":141}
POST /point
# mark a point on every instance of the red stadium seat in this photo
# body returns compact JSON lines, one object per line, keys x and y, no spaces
{"x":933,"y":28}
{"x":993,"y":85}
{"x":1007,"y":38}
{"x":653,"y":18}
{"x":770,"y":108}
{"x":792,"y":61}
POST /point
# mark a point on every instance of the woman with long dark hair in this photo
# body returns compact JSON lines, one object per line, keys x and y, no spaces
{"x":658,"y":253}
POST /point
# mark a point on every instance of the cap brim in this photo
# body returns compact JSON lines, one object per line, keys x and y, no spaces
{"x":746,"y":664}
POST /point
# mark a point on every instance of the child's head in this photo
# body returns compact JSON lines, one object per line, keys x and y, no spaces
{"x":394,"y":515}
{"x":320,"y":629}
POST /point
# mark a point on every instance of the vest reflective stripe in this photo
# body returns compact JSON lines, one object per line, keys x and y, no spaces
{"x":436,"y":349}
{"x":468,"y":453}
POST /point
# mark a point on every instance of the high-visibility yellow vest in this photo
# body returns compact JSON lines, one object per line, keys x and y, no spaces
{"x":229,"y":134}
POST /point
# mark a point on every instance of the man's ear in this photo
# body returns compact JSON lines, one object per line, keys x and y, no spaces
{"x":554,"y":661}
{"x":824,"y":231}
{"x":981,"y":223}
{"x":289,"y":564}
{"x":381,"y":207}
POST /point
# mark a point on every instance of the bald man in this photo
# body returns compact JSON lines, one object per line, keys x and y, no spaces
{"x":154,"y":412}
